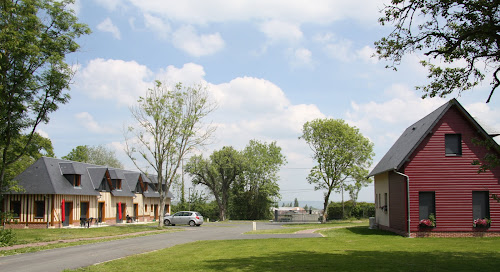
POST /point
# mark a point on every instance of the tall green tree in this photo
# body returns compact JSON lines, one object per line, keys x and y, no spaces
{"x":256,"y":190}
{"x":296,"y":203}
{"x":99,"y":155}
{"x":169,"y":126}
{"x":35,"y":37}
{"x":217,"y":173}
{"x":338,"y":150}
{"x":458,"y":32}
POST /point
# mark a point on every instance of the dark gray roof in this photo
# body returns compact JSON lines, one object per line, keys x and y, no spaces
{"x":46,"y":176}
{"x":69,"y":168}
{"x":414,"y":135}
{"x":96,"y":175}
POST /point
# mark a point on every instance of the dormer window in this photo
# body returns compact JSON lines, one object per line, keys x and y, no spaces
{"x":453,"y":144}
{"x":75,"y":180}
{"x":117,"y":184}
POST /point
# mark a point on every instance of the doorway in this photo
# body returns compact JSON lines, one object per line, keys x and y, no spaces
{"x":68,"y":214}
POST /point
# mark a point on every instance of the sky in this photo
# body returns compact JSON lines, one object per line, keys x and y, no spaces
{"x":270,"y":66}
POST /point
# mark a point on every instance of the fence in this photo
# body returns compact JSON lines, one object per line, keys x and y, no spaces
{"x":295,"y":217}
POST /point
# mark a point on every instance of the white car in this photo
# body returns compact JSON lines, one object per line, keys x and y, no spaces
{"x":184,"y":218}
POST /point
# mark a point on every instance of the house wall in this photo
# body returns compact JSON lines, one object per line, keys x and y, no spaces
{"x":398,"y":203}
{"x":452,"y":178}
{"x":381,"y":188}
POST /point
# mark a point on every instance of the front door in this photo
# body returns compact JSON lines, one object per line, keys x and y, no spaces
{"x":156,"y":211}
{"x":68,"y":213}
{"x":124,"y":213}
{"x":84,"y":210}
{"x":100,"y":212}
{"x":136,"y":211}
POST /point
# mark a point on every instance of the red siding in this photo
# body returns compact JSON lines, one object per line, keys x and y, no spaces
{"x":452,"y":178}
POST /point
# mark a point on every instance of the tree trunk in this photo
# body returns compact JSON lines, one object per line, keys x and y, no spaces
{"x":325,"y":207}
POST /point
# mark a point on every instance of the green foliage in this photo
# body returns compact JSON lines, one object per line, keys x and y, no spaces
{"x":296,"y":203}
{"x":352,"y":210}
{"x":35,"y":37}
{"x":453,"y":32}
{"x":98,"y":155}
{"x":340,"y":152}
{"x":7,"y":237}
{"x":256,"y":190}
{"x":217,"y":173}
{"x":491,"y":159}
{"x":197,"y":201}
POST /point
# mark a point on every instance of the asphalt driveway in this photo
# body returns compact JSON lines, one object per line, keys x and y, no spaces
{"x":85,"y":255}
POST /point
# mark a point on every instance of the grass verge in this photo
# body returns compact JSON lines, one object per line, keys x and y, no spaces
{"x":344,"y":249}
{"x":292,"y":228}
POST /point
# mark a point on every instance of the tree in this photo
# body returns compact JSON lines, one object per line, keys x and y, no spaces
{"x":256,"y":189}
{"x":296,"y":203}
{"x":38,"y":147}
{"x":169,"y":125}
{"x":217,"y":173}
{"x":453,"y":32}
{"x":338,"y":150}
{"x":98,"y":155}
{"x":35,"y":37}
{"x":359,"y":181}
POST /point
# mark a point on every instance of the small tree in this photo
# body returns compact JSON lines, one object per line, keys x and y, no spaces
{"x":169,"y":125}
{"x":98,"y":155}
{"x":338,"y":150}
{"x":296,"y":203}
{"x":218,"y":174}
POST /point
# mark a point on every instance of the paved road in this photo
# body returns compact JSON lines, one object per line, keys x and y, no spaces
{"x":85,"y":255}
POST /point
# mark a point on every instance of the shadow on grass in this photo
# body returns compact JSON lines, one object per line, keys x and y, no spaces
{"x":359,"y":260}
{"x":363,"y":230}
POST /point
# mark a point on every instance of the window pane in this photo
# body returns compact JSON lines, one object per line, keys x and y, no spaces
{"x":480,"y":205}
{"x":426,"y":201}
{"x":15,"y":207}
{"x":453,"y":144}
{"x":39,"y":209}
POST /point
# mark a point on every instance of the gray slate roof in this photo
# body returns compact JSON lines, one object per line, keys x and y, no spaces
{"x":46,"y":176}
{"x":414,"y":135}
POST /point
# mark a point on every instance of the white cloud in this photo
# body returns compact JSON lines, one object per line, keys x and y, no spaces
{"x":118,"y":80}
{"x":186,"y":39}
{"x":108,"y":26}
{"x":340,"y":50}
{"x":189,"y":74}
{"x":298,"y":11}
{"x":157,"y":25}
{"x":87,"y":120}
{"x":110,"y":5}
{"x":300,"y":57}
{"x":367,"y":54}
{"x":42,"y":133}
{"x":279,"y":31}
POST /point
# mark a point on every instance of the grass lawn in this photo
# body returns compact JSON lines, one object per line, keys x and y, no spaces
{"x":346,"y":249}
{"x":32,"y":236}
{"x":292,"y":228}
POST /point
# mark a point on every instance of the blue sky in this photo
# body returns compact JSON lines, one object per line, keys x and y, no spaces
{"x":270,"y":65}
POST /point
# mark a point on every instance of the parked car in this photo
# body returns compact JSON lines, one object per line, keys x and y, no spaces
{"x":184,"y":217}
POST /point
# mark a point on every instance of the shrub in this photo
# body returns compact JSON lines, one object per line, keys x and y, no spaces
{"x":7,"y":237}
{"x":361,"y":210}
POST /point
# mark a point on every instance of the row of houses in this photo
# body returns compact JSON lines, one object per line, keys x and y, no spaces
{"x":426,"y":184}
{"x":60,"y":193}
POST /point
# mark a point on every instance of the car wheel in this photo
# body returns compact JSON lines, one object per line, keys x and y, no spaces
{"x":166,"y":222}
{"x":191,"y":223}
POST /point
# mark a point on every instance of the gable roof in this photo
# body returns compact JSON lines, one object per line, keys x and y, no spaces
{"x":415,"y":134}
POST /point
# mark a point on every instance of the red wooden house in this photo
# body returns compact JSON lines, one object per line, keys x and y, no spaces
{"x":426,"y":184}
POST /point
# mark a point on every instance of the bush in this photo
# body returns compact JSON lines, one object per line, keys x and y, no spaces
{"x":7,"y":237}
{"x":361,"y":210}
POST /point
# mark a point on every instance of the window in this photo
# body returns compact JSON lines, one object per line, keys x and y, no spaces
{"x":39,"y":209}
{"x":75,"y":180}
{"x":426,"y":204}
{"x":117,"y":184}
{"x":480,"y":205}
{"x":146,"y":207}
{"x":104,"y":185}
{"x":15,"y":208}
{"x":453,"y":144}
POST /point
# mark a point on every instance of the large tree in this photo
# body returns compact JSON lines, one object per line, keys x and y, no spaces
{"x":99,"y":155}
{"x":217,"y":173}
{"x":338,"y":150}
{"x":169,"y":124}
{"x":463,"y":34}
{"x":256,"y":190}
{"x":35,"y":37}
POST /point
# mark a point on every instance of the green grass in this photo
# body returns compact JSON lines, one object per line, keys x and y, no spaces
{"x":32,"y":236}
{"x":344,"y":249}
{"x":292,"y":228}
{"x":27,"y":236}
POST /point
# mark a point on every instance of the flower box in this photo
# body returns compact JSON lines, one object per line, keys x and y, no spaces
{"x":481,"y":223}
